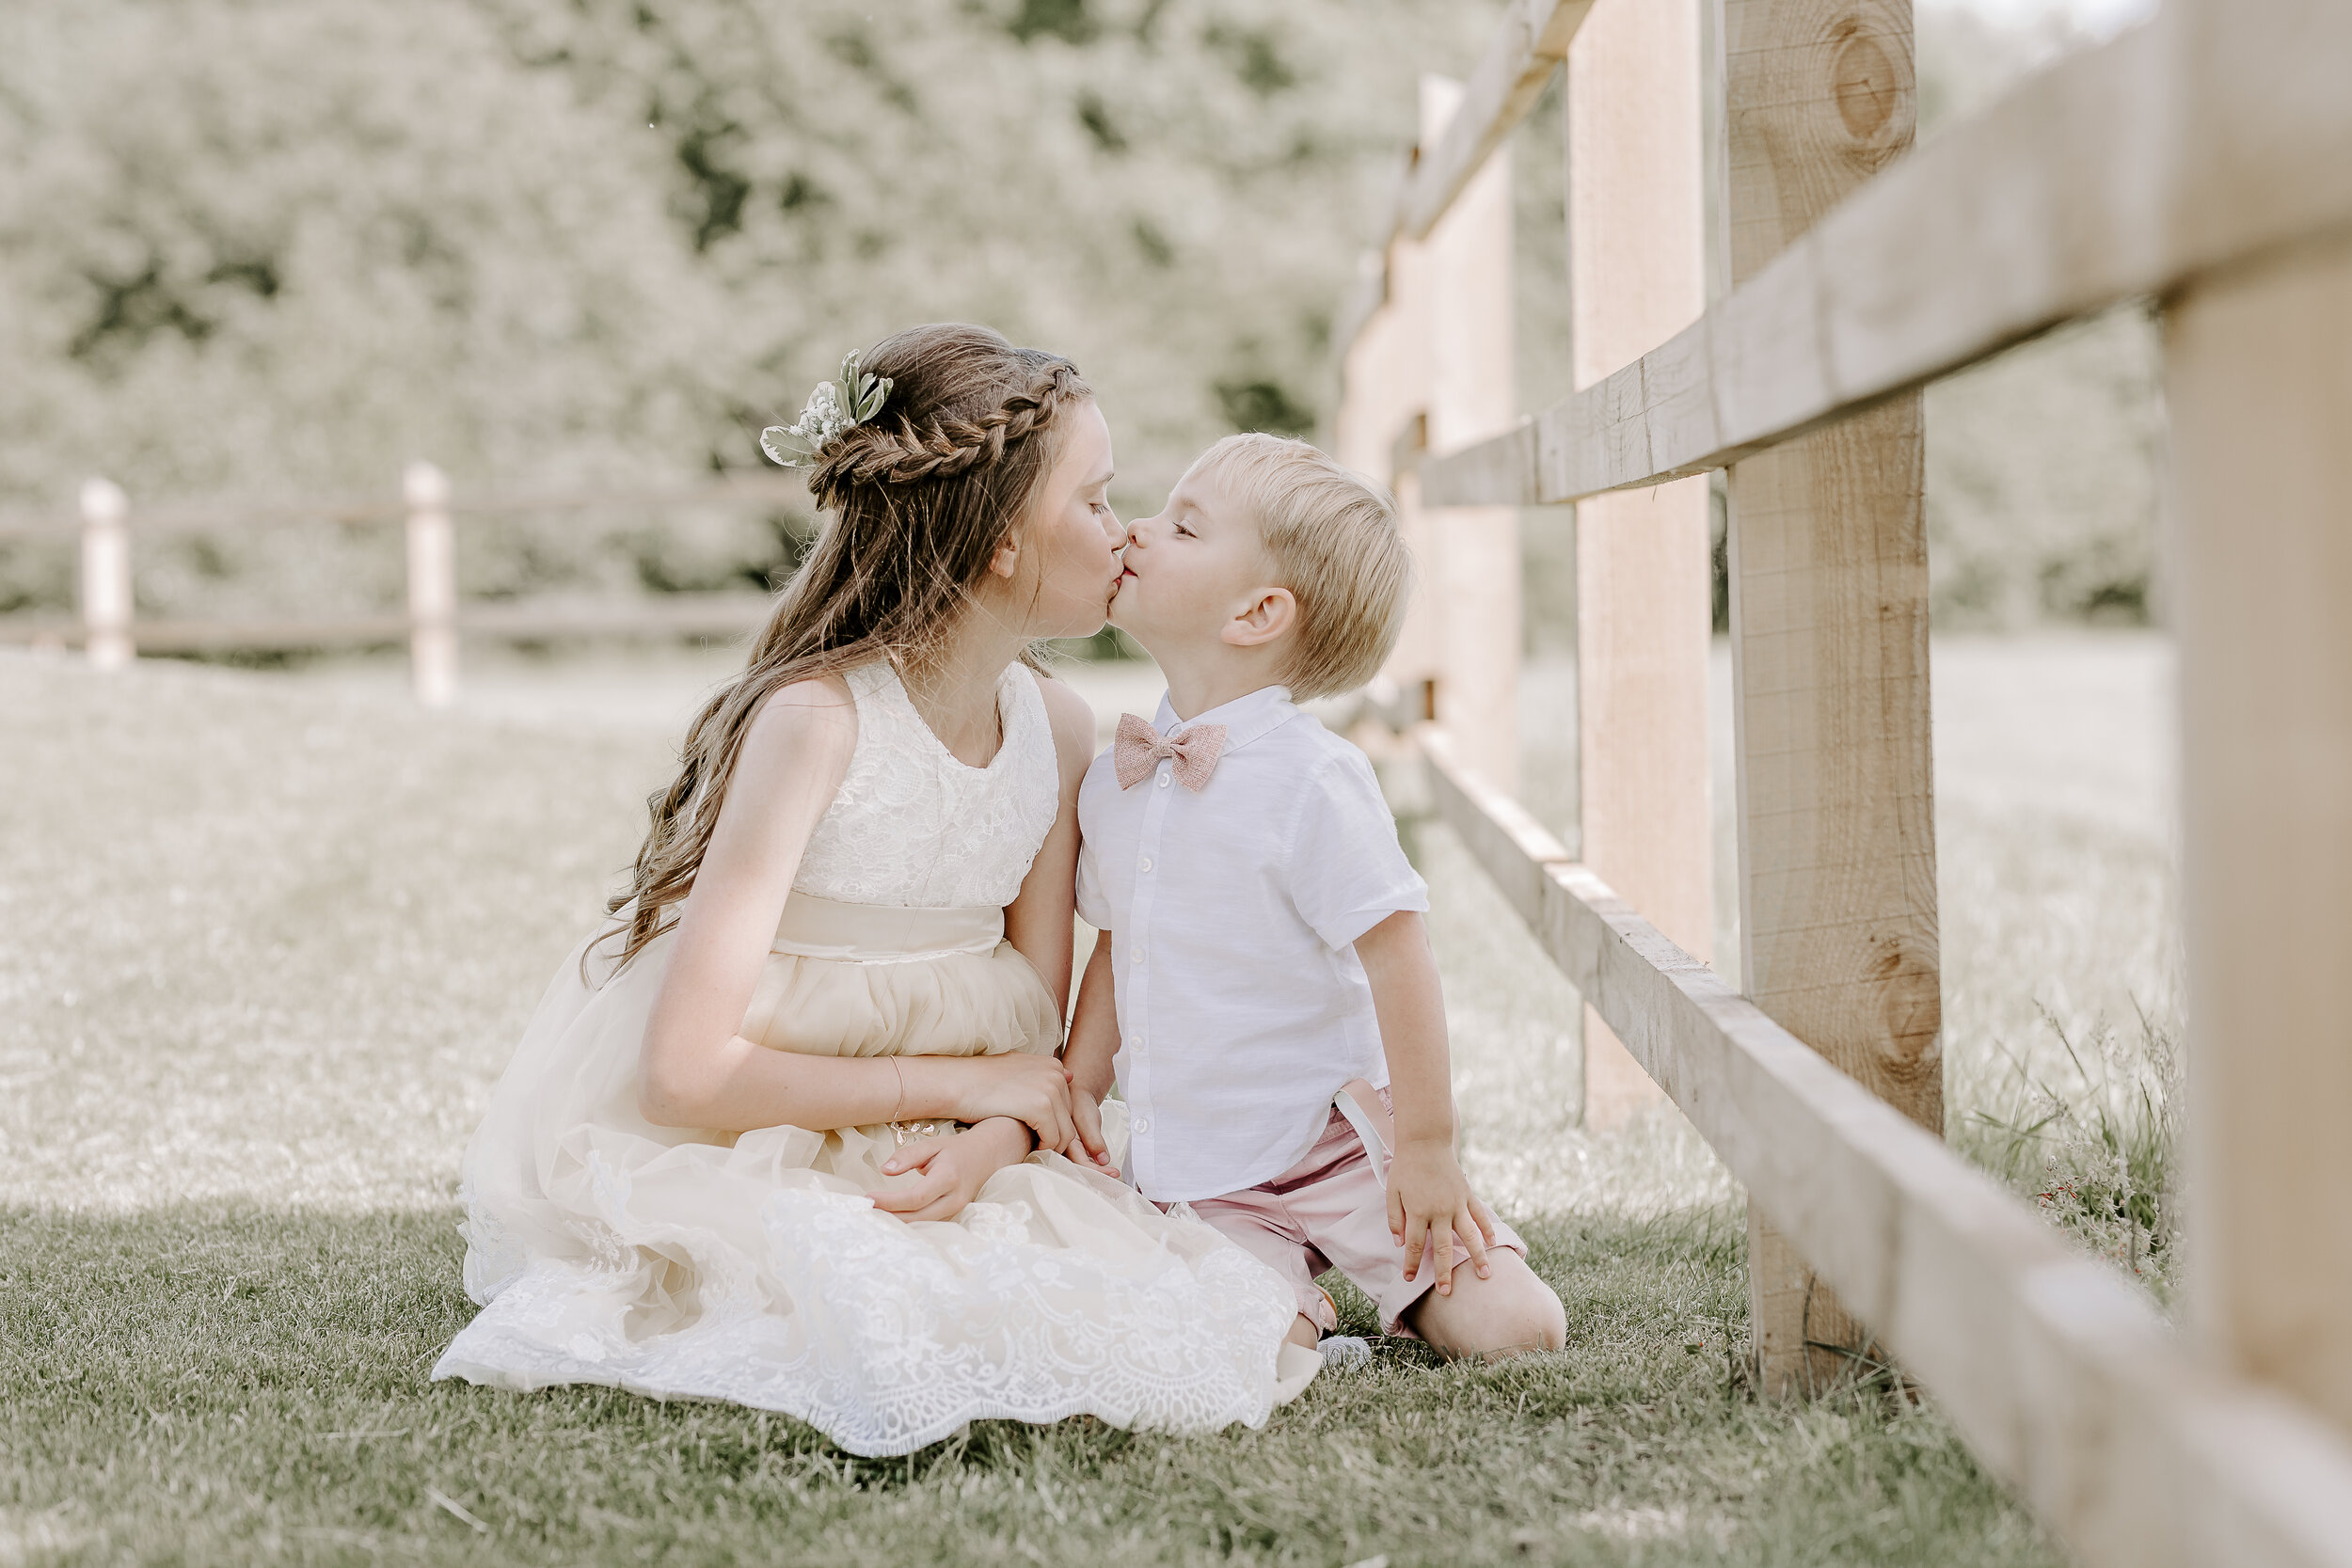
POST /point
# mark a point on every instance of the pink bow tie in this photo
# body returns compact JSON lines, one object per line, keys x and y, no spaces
{"x":1137,"y":748}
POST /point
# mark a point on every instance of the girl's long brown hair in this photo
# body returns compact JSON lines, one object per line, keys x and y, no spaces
{"x":922,"y":496}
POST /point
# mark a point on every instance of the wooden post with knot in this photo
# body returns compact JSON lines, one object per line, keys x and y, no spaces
{"x":1828,"y":565}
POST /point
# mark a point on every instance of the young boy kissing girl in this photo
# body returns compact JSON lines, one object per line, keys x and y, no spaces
{"x":1263,"y":989}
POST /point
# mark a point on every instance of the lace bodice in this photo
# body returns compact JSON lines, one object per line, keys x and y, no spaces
{"x":914,"y":827}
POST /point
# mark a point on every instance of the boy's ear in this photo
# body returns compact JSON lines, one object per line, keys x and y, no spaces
{"x":1266,"y":617}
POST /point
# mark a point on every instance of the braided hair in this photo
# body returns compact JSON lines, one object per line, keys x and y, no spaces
{"x":894,"y":448}
{"x":922,"y":496}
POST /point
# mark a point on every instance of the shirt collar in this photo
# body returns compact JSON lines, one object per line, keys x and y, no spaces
{"x":1245,"y":718}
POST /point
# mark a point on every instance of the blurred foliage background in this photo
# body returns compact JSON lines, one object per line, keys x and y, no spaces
{"x":267,"y":249}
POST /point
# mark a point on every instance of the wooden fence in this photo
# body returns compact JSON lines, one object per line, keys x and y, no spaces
{"x":2205,"y":158}
{"x":434,"y":617}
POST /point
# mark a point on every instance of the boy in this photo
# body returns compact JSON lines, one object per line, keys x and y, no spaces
{"x":1263,"y":964}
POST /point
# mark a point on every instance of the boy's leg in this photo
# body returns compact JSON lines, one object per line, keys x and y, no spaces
{"x":1346,"y":1215}
{"x":1508,"y":1312}
{"x":1252,"y":1220}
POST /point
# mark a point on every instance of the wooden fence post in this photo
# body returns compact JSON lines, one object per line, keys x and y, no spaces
{"x":1636,"y":276}
{"x":431,"y":586}
{"x":105,"y":575}
{"x":2259,"y":382}
{"x":1474,"y":573}
{"x":1829,"y":634}
{"x":1384,"y":395}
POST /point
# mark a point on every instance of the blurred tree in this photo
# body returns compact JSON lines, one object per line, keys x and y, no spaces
{"x":273,"y":246}
{"x":256,"y":246}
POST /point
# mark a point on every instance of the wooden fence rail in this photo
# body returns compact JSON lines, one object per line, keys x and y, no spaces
{"x":2203,"y":140}
{"x":2205,"y":158}
{"x":2059,"y":1375}
{"x":436,"y":618}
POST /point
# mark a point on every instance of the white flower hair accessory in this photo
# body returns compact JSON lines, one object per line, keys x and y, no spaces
{"x":833,"y":408}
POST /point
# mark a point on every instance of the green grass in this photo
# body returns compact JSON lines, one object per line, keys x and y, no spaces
{"x":231,"y":1382}
{"x":270,"y":943}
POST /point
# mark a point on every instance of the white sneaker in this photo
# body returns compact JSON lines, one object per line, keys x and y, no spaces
{"x":1345,"y":1353}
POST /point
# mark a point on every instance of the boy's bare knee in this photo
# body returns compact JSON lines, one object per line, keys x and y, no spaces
{"x":1527,"y":1317}
{"x":1510,"y":1313}
{"x":1536,"y":1321}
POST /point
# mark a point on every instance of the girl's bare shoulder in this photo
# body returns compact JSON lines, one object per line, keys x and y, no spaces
{"x":1072,"y":719}
{"x":808,"y":721}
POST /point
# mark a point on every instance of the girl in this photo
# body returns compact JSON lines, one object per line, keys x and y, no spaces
{"x":773,"y":1134}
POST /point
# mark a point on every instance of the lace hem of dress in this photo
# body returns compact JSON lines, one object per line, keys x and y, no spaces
{"x":894,"y":1337}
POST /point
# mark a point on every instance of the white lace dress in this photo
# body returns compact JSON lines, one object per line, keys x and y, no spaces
{"x":752,"y":1268}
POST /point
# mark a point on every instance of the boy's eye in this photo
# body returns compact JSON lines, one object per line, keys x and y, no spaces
{"x":1182,"y":529}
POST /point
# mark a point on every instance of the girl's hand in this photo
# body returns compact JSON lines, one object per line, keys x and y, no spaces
{"x":954,"y":1169}
{"x":1028,"y":1088}
{"x":1431,"y":1207}
{"x":1088,"y":1147}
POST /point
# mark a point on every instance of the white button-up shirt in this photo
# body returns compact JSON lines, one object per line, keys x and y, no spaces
{"x":1234,"y":912}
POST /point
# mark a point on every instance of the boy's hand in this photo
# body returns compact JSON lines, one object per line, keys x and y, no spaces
{"x":954,"y":1169}
{"x":1432,"y":1209}
{"x":1090,"y":1148}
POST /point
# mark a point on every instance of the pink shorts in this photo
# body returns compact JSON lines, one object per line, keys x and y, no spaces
{"x":1331,"y":1211}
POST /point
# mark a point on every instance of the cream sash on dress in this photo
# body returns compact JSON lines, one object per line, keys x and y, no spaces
{"x":814,"y":928}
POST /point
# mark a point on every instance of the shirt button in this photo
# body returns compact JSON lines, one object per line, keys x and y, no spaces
{"x":1163,"y":778}
{"x":1143,"y":1124}
{"x":1135,"y":956}
{"x":1146,"y":862}
{"x":1135,"y":1040}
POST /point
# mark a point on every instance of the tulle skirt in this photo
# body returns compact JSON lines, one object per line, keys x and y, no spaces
{"x":753,"y":1268}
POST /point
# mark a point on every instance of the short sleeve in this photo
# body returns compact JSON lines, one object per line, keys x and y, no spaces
{"x":1093,"y":907}
{"x":1348,"y":872}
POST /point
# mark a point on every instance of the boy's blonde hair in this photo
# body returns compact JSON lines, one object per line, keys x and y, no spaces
{"x":1332,"y":535}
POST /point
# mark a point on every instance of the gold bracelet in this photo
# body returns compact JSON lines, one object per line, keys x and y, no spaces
{"x":900,"y":1073}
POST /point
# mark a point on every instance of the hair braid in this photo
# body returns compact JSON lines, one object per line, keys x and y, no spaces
{"x":900,"y":451}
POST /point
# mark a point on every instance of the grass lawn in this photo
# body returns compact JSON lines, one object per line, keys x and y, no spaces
{"x":231,"y":1383}
{"x":270,"y":943}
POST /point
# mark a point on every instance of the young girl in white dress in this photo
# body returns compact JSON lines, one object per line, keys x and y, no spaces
{"x":773,"y":1134}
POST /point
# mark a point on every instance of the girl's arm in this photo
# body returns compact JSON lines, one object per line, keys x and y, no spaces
{"x":1094,"y":1030}
{"x":1430,"y":1201}
{"x":1093,"y":1044}
{"x":1038,"y":921}
{"x":696,"y":1070}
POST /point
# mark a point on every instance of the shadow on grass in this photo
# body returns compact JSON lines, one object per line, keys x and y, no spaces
{"x":238,"y":1384}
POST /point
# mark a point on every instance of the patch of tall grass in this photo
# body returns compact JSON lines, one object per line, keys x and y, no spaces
{"x":2096,"y":1148}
